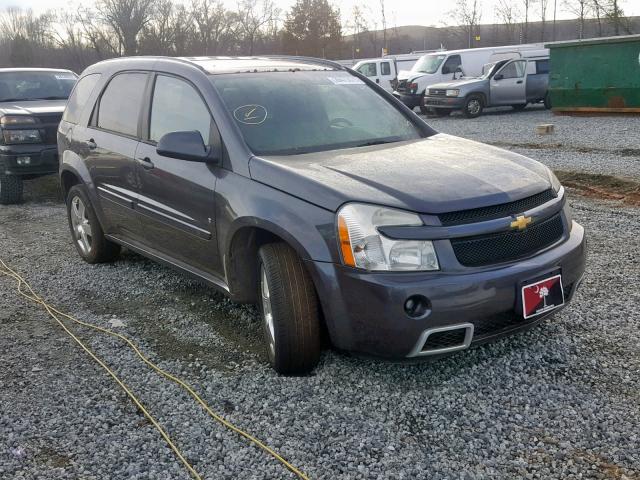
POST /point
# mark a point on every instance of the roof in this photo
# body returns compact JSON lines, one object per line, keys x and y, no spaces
{"x":3,"y":70}
{"x":594,"y":41}
{"x":217,"y":65}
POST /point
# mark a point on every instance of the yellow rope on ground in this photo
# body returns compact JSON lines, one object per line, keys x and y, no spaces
{"x":53,"y":312}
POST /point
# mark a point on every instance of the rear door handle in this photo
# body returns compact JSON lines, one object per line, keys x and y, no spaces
{"x":91,"y":144}
{"x":145,"y":162}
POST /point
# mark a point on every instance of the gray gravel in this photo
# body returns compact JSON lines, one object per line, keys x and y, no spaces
{"x":602,"y":145}
{"x":560,"y":401}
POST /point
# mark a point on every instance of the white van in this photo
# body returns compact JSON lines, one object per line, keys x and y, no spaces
{"x":439,"y":67}
{"x":384,"y":71}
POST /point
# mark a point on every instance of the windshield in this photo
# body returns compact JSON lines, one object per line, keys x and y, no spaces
{"x":285,"y":113}
{"x":428,"y":64}
{"x":35,"y":85}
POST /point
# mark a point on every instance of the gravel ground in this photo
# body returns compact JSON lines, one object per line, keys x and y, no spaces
{"x":560,"y":401}
{"x":602,"y":145}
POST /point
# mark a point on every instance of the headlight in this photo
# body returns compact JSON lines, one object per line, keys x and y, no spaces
{"x":363,"y":246}
{"x":21,"y":136}
{"x":453,"y":93}
{"x":555,"y":183}
{"x":17,"y":120}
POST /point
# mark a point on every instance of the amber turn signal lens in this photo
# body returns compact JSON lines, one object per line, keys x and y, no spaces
{"x":345,"y":243}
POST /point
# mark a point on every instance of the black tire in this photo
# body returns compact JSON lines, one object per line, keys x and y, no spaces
{"x":99,"y":249}
{"x":425,"y":110}
{"x":547,"y":101}
{"x":519,"y":107}
{"x":294,"y":348}
{"x":10,"y":189}
{"x":473,"y":106}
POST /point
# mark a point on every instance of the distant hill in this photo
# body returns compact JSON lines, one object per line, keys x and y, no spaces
{"x":414,"y":37}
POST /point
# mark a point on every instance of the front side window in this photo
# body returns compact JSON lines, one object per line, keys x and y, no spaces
{"x":36,"y":85}
{"x":79,"y":97}
{"x":452,"y":64}
{"x":368,"y":69}
{"x":177,"y":107}
{"x":285,"y":113}
{"x":428,"y":64}
{"x":514,"y":69}
{"x":120,"y":103}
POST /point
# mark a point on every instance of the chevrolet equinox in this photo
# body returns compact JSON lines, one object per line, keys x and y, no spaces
{"x":302,"y":186}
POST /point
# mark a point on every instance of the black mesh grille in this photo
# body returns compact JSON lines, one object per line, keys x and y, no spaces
{"x":505,"y":246}
{"x":449,"y":338}
{"x":496,"y":211}
{"x":497,"y":323}
{"x":437,"y":92}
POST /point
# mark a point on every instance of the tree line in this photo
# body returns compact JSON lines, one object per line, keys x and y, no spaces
{"x":111,"y":28}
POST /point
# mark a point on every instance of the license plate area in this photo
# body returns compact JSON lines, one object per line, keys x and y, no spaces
{"x":542,"y":296}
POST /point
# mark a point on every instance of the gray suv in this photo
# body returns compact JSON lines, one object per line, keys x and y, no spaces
{"x":304,"y":187}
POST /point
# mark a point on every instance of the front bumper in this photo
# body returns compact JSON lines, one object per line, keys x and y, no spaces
{"x":43,"y":160}
{"x":453,"y":103}
{"x":364,"y":312}
{"x":410,"y":100}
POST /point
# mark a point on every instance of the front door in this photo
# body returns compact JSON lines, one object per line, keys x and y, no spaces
{"x":508,"y":85}
{"x":176,"y":197}
{"x":371,"y":71}
{"x":109,"y":144}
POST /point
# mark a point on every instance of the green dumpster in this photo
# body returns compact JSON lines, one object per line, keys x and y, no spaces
{"x":596,"y":75}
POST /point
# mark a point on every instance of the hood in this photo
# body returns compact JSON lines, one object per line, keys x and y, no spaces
{"x":411,"y":76}
{"x":455,"y":83}
{"x":434,"y":175}
{"x":32,"y":107}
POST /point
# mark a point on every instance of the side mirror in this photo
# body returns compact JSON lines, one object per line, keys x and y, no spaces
{"x":498,"y":77}
{"x":185,"y":146}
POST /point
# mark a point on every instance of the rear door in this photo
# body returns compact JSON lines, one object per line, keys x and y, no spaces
{"x":109,"y":145}
{"x":176,"y":201}
{"x":508,"y":86}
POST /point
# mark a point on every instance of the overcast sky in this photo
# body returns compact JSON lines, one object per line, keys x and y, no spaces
{"x":399,"y":12}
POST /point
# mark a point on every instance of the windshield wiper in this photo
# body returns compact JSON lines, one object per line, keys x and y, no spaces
{"x":53,"y":97}
{"x":375,"y":142}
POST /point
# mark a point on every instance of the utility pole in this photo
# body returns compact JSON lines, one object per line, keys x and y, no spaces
{"x":555,"y":8}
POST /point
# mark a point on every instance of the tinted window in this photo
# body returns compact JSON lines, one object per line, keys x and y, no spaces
{"x":36,"y":85}
{"x":385,"y":68}
{"x":542,"y":66}
{"x":514,"y":69}
{"x":177,"y":107}
{"x":452,"y":64}
{"x":288,"y":113}
{"x":79,"y":97}
{"x":368,"y":70}
{"x":120,"y":103}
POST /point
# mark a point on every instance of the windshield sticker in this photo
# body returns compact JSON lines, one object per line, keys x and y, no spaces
{"x":64,"y":76}
{"x":346,"y":80}
{"x":250,"y":114}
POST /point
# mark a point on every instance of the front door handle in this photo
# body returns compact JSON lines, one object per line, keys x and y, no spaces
{"x":145,"y":162}
{"x":519,"y":81}
{"x":91,"y":144}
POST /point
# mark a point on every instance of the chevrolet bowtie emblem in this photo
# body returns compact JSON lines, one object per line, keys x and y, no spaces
{"x":521,"y":222}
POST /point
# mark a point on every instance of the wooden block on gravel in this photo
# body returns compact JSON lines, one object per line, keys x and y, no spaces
{"x":545,"y":129}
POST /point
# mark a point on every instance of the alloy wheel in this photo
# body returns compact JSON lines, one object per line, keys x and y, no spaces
{"x":267,"y":312}
{"x":81,"y":226}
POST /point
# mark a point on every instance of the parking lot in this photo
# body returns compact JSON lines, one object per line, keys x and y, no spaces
{"x":560,"y":401}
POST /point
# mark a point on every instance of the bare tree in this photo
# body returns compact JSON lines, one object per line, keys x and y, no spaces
{"x":508,"y":15}
{"x":252,"y":17}
{"x":126,"y":18}
{"x":616,"y":16}
{"x":212,"y":25}
{"x":383,"y":15}
{"x":468,"y":14}
{"x":543,"y":4}
{"x":527,"y":4}
{"x":580,"y":8}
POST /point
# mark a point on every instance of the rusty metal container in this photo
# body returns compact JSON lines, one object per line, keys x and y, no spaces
{"x":600,"y":75}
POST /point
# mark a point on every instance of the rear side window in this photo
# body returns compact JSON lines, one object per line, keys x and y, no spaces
{"x":542,"y":66}
{"x":385,"y":68}
{"x":120,"y":103}
{"x":79,"y":97}
{"x":177,"y":107}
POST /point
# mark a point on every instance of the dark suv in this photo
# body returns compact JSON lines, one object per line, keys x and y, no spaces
{"x":31,"y":103}
{"x":303,"y":187}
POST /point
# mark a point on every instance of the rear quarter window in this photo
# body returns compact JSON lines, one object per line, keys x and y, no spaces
{"x":79,"y":97}
{"x":542,"y":66}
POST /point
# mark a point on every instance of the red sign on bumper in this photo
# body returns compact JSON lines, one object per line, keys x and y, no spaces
{"x":542,"y":296}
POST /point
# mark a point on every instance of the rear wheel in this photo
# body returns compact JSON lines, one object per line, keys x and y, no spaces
{"x":289,"y":309}
{"x":473,"y":106}
{"x":547,"y":101}
{"x":10,"y":189}
{"x":86,"y":231}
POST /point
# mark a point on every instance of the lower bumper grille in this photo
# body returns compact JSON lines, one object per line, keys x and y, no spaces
{"x":506,"y":246}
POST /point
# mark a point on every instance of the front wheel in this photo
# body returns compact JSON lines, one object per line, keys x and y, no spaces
{"x":10,"y":189}
{"x":473,"y":106}
{"x":86,"y":230}
{"x":289,"y":309}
